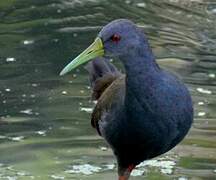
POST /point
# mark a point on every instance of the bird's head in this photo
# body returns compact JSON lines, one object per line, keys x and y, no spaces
{"x":120,"y":37}
{"x":116,"y":39}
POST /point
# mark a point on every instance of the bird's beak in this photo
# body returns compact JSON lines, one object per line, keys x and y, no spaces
{"x":96,"y":49}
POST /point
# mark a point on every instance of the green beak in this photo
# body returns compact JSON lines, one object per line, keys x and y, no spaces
{"x":96,"y":49}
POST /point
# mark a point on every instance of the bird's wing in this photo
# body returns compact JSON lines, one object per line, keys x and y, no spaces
{"x":113,"y":94}
{"x":101,"y":74}
{"x":107,"y":87}
{"x":101,"y":84}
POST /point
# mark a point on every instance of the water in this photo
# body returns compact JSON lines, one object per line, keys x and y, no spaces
{"x":45,"y":130}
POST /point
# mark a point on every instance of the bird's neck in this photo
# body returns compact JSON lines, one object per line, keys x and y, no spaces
{"x":142,"y":72}
{"x":140,"y":65}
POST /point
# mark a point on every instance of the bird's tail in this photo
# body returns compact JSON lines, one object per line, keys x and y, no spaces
{"x":101,"y":74}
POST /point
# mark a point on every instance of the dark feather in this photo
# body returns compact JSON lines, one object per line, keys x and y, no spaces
{"x":111,"y":96}
{"x":106,"y":82}
{"x":101,"y":75}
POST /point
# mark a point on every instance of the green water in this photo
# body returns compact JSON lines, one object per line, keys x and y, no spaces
{"x":45,"y":130}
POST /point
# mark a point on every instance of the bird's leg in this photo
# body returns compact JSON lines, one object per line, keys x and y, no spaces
{"x":131,"y":167}
{"x":123,"y":178}
{"x":124,"y":173}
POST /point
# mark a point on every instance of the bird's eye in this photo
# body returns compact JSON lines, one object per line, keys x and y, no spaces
{"x":115,"y":38}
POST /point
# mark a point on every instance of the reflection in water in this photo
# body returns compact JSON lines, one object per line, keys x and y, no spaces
{"x":45,"y":130}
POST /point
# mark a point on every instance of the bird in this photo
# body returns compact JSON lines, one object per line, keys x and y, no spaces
{"x":141,"y":113}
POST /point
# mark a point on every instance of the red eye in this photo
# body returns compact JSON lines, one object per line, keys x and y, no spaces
{"x":115,"y":38}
